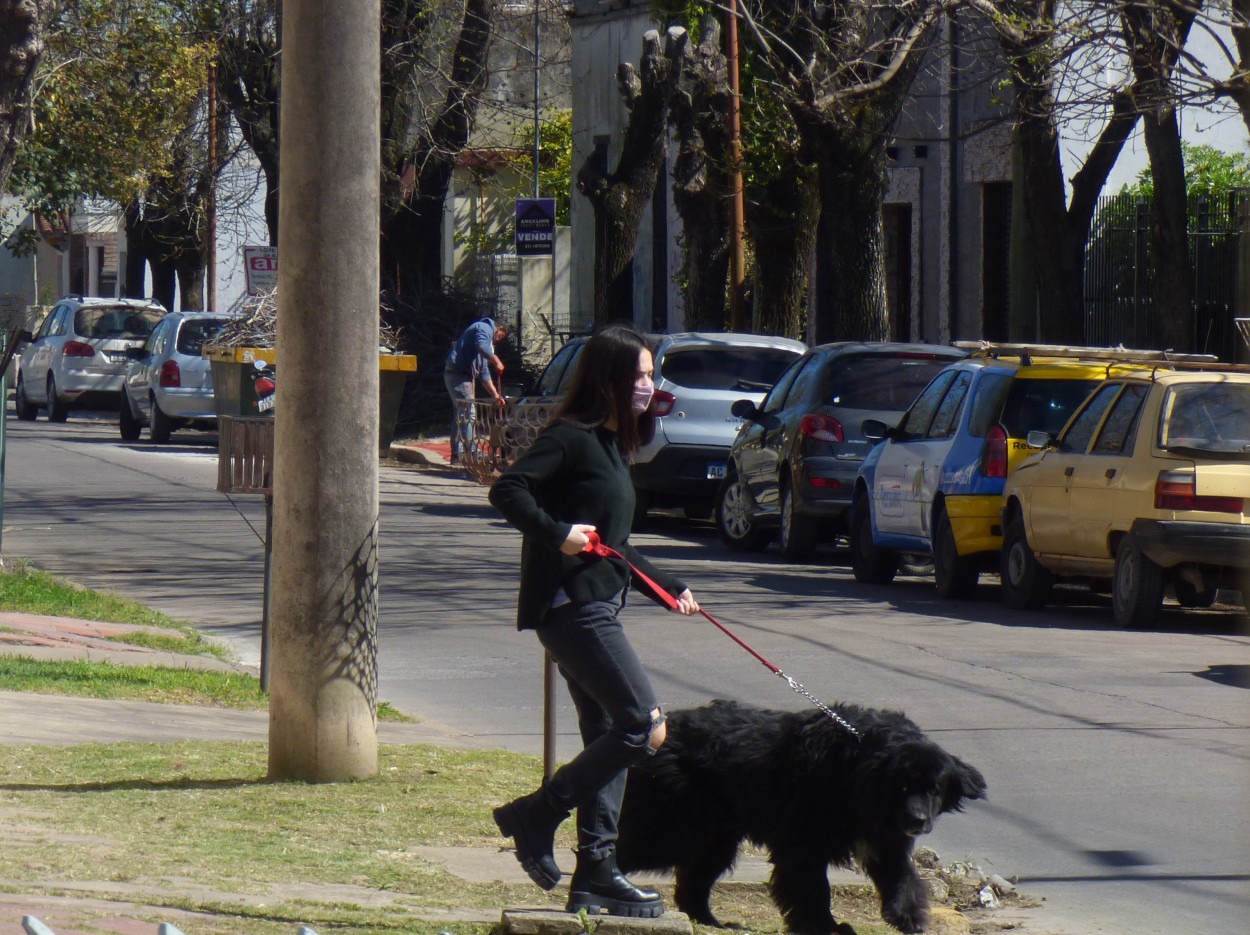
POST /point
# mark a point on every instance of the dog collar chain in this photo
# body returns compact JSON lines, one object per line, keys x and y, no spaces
{"x":595,"y":546}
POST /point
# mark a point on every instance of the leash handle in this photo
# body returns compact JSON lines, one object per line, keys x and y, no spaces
{"x":595,"y":546}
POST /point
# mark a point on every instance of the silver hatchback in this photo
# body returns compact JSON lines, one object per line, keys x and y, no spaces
{"x":169,"y":383}
{"x":79,"y":355}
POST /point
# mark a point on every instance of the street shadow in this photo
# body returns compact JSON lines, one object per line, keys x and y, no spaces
{"x":1232,"y":675}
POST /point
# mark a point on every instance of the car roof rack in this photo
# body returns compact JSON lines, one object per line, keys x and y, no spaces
{"x":1118,"y":353}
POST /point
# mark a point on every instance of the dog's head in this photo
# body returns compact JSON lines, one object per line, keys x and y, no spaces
{"x":920,"y":780}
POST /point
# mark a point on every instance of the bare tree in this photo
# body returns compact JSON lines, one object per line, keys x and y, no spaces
{"x":249,"y":40}
{"x":1039,"y":44}
{"x":620,"y":196}
{"x":1156,"y":31}
{"x":22,"y":27}
{"x":843,"y":71}
{"x":701,"y":174}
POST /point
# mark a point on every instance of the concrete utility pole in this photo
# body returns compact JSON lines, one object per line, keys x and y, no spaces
{"x":323,"y":670}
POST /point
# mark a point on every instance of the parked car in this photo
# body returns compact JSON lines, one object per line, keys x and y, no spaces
{"x":935,"y":483}
{"x":698,"y":376}
{"x":169,"y":383}
{"x":1148,"y":486}
{"x":698,"y":379}
{"x":793,"y":463}
{"x":78,"y":357}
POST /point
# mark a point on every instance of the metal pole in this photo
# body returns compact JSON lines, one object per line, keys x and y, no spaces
{"x":549,"y":666}
{"x":264,"y":613}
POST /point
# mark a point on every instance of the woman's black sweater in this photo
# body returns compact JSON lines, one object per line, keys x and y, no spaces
{"x":571,"y":475}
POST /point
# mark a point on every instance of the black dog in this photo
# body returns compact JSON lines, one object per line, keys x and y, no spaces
{"x":801,"y":786}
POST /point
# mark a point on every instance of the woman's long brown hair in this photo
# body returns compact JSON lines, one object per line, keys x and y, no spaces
{"x":603,"y":386}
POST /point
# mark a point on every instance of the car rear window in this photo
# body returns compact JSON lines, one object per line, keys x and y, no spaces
{"x":745,"y":369}
{"x":1042,"y":405}
{"x":881,"y":381}
{"x":1207,"y":417}
{"x":193,"y":334}
{"x":115,"y":321}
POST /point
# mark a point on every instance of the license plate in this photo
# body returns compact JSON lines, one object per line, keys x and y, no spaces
{"x":715,"y":470}
{"x":119,"y":358}
{"x":265,"y":403}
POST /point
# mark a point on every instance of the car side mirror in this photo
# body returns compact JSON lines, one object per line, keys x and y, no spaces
{"x":745,"y":409}
{"x":875,"y":430}
{"x":1039,"y":439}
{"x":137,"y":352}
{"x":23,"y":337}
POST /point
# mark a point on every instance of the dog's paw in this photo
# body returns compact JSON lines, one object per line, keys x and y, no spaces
{"x":911,"y":919}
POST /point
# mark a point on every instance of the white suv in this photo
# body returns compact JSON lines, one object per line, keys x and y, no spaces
{"x":80,"y":353}
{"x":698,"y":377}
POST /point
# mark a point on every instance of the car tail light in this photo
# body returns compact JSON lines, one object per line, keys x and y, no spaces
{"x":78,"y":349}
{"x":821,"y":428}
{"x":994,"y":462}
{"x":829,"y":483}
{"x":1174,"y":490}
{"x":170,"y":374}
{"x":663,"y":402}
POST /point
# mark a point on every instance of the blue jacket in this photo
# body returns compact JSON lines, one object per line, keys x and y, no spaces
{"x":472,"y":350}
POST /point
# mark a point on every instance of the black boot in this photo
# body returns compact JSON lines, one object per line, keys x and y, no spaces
{"x":599,"y":886}
{"x":531,"y":822}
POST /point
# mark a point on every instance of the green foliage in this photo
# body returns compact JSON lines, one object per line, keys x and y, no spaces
{"x":1208,"y":171}
{"x":555,"y":167}
{"x":119,"y":82}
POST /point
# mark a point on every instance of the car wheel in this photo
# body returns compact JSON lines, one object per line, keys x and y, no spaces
{"x":798,"y":532}
{"x":955,"y":575}
{"x":733,"y":517}
{"x":26,"y":410}
{"x":870,"y":563}
{"x":1137,"y":590}
{"x":162,"y":425}
{"x":127,"y":424}
{"x":1189,"y":596}
{"x":58,"y":411}
{"x":1026,"y":584}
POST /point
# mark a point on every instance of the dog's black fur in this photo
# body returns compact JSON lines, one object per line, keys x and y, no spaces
{"x":802,"y":787}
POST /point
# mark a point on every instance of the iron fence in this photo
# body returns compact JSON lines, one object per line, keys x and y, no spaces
{"x":1120,"y":268}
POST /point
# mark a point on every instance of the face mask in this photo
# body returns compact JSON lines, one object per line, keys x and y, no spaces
{"x":642,"y":399}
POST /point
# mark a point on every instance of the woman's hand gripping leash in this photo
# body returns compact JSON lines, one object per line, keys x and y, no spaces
{"x":686,"y":604}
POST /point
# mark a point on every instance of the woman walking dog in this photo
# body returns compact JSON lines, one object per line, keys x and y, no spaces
{"x":574,"y":481}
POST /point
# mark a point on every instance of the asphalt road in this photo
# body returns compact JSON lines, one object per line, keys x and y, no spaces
{"x":1118,"y":762}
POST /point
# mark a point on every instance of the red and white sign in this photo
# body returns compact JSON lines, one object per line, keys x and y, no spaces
{"x":260,"y":264}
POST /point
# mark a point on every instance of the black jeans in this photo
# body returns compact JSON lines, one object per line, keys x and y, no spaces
{"x":614,"y":701}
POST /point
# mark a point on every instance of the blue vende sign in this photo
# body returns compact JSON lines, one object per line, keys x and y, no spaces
{"x":535,"y":226}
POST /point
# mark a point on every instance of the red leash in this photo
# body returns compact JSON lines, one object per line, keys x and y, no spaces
{"x":596,"y":547}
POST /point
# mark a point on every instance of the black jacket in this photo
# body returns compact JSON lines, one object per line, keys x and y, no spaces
{"x":571,"y":475}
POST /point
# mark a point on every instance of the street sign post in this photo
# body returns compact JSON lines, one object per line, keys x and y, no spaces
{"x":535,"y":226}
{"x":260,"y":265}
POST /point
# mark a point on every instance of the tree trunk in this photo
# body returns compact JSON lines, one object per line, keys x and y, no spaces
{"x":411,"y":257}
{"x":621,"y":197}
{"x":782,"y":222}
{"x":701,"y":179}
{"x":22,"y":26}
{"x":1172,"y":294}
{"x":250,"y":81}
{"x":1157,"y":34}
{"x":850,"y":252}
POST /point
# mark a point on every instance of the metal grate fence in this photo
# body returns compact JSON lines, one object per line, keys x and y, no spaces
{"x":1119,"y":271}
